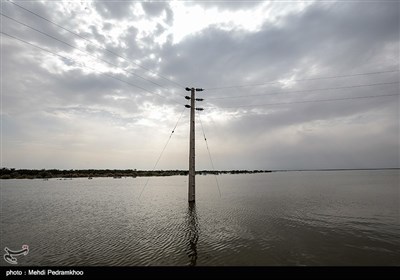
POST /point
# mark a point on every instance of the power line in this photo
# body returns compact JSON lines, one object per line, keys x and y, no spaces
{"x":306,"y":90}
{"x":59,"y":40}
{"x":69,"y":59}
{"x":209,"y":154}
{"x":307,"y":79}
{"x":97,"y":44}
{"x":311,"y":101}
{"x":162,"y":151}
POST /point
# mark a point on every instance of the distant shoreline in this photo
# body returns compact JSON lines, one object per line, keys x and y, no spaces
{"x":12,"y":173}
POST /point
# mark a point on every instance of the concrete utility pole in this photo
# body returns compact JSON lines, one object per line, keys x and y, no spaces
{"x":192,"y":169}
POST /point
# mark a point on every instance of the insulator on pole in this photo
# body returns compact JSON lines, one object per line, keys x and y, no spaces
{"x":199,"y":89}
{"x":199,"y":99}
{"x":188,"y":89}
{"x":187,"y":97}
{"x":187,"y":106}
{"x":199,"y":109}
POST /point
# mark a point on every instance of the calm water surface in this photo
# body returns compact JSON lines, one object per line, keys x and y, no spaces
{"x":280,"y":218}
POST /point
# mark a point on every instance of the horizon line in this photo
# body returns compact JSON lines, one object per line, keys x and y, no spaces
{"x":257,"y":169}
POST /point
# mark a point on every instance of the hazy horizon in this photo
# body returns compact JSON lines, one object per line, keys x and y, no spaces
{"x":211,"y":170}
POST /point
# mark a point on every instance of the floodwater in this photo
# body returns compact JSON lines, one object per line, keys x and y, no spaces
{"x":280,"y":218}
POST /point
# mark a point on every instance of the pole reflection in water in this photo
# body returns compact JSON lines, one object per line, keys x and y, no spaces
{"x":192,"y":233}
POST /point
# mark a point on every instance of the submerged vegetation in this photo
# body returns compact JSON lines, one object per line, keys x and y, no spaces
{"x":12,"y":173}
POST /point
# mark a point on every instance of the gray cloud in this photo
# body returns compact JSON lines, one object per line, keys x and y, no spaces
{"x":344,"y":43}
{"x":154,"y":9}
{"x":232,"y":5}
{"x":14,"y":27}
{"x":113,"y":9}
{"x":52,"y":106}
{"x":334,"y":40}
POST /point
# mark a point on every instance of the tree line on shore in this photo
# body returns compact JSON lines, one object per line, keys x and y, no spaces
{"x":12,"y":173}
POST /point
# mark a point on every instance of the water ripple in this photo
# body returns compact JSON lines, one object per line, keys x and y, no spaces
{"x":267,"y":219}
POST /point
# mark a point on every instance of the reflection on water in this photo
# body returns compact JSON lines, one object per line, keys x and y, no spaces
{"x":281,"y":218}
{"x":192,"y":233}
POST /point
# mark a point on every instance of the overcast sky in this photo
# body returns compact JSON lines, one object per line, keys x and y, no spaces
{"x":109,"y":95}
